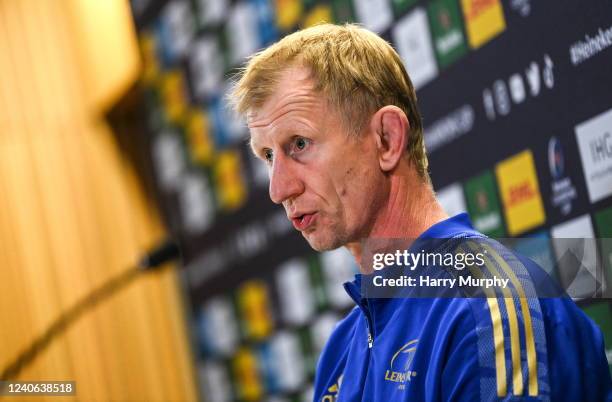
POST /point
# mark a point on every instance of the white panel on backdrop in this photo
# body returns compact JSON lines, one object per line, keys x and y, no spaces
{"x":413,"y":41}
{"x":594,"y":138}
{"x":452,"y":199}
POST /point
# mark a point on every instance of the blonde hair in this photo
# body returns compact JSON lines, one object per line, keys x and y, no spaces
{"x":355,"y":69}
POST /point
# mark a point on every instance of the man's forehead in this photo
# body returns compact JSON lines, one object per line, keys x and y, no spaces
{"x":294,"y":85}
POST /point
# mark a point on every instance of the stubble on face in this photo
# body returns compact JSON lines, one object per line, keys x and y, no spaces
{"x":360,"y":192}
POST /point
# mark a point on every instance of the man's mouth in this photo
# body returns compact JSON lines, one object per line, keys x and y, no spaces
{"x":302,"y":222}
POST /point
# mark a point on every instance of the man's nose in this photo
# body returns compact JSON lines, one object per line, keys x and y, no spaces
{"x":285,"y":181}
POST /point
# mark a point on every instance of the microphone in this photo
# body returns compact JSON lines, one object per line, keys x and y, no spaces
{"x":166,"y":251}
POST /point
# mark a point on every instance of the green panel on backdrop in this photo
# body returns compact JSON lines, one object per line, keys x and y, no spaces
{"x":400,"y":6}
{"x":483,"y":204}
{"x":447,"y":31}
{"x":603,"y":224}
{"x":601,"y":313}
{"x":343,"y":11}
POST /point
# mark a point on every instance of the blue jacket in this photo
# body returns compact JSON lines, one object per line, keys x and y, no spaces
{"x":463,"y":349}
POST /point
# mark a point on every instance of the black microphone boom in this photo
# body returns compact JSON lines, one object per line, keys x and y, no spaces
{"x":165,"y":252}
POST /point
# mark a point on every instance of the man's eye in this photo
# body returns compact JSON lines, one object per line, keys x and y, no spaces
{"x":268,"y":155}
{"x":300,"y":143}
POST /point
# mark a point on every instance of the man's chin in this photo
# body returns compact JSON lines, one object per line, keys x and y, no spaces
{"x":320,"y":243}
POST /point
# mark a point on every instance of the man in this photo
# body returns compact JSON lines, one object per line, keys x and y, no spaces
{"x":333,"y":113}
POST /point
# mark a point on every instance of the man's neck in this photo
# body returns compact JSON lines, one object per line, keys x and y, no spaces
{"x":410,"y":210}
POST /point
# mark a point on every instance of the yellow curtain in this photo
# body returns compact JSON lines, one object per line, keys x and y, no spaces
{"x":71,"y":210}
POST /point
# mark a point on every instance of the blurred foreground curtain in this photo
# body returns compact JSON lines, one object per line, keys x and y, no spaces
{"x":72,"y":213}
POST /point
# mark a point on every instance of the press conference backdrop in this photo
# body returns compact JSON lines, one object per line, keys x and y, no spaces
{"x":516,"y":98}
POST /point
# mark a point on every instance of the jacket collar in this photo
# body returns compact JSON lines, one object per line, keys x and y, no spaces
{"x":428,"y":240}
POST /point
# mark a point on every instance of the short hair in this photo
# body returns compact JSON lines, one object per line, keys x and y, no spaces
{"x":356,"y":70}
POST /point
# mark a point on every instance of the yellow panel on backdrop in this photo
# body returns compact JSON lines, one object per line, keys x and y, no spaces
{"x":201,"y":146}
{"x":254,"y":306}
{"x":484,"y":19}
{"x":148,"y":49}
{"x":173,"y":89}
{"x":288,"y":13}
{"x":229,"y":182}
{"x":520,"y":193}
{"x":320,"y":14}
{"x":247,"y":375}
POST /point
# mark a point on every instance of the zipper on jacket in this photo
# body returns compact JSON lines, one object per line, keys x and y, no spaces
{"x":369,"y":326}
{"x":363,"y":305}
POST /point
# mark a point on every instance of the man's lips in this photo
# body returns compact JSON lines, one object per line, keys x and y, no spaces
{"x":303,"y":221}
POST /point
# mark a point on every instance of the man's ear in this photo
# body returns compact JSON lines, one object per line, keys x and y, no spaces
{"x":390,"y":126}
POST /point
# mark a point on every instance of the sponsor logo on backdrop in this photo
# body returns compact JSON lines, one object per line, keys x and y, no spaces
{"x":517,"y":88}
{"x":600,"y":314}
{"x":196,"y":204}
{"x":603,"y":223}
{"x":520,"y":193}
{"x":174,"y":96}
{"x":206,"y":67}
{"x":217,"y":317}
{"x":295,"y":292}
{"x":376,"y":15}
{"x":212,"y":12}
{"x":337,"y":266}
{"x":484,"y":19}
{"x":149,"y":48}
{"x":451,"y":198}
{"x":177,"y":26}
{"x":447,"y":31}
{"x":288,"y":13}
{"x":247,"y":377}
{"x":563,"y":191}
{"x":254,"y":307}
{"x":249,"y":240}
{"x":594,"y":139}
{"x":400,"y":367}
{"x":168,"y":160}
{"x":197,"y":130}
{"x":343,"y":11}
{"x":411,"y":37}
{"x":320,"y":13}
{"x":447,"y":129}
{"x":498,"y":99}
{"x":321,"y":330}
{"x":399,"y":6}
{"x":591,"y":46}
{"x":265,"y":21}
{"x":523,"y":7}
{"x":229,"y":182}
{"x":289,"y":367}
{"x":242,"y":34}
{"x":215,"y":377}
{"x":483,"y":204}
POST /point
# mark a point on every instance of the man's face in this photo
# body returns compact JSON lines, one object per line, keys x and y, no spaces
{"x":328,"y":181}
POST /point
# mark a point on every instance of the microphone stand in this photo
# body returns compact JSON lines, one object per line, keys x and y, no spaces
{"x":165,"y":252}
